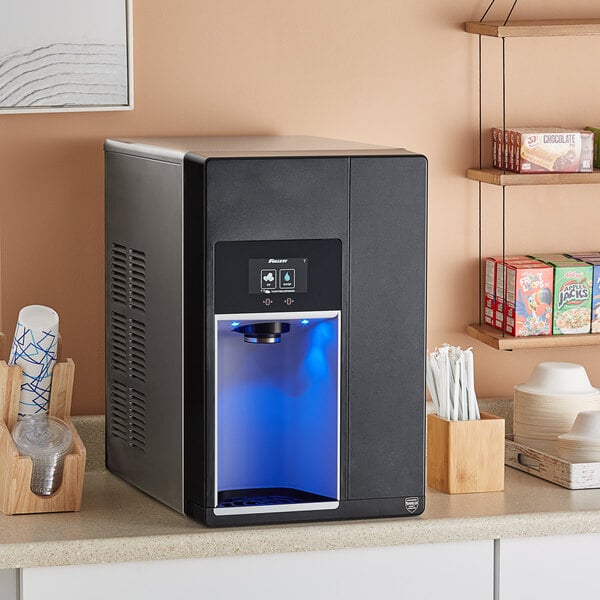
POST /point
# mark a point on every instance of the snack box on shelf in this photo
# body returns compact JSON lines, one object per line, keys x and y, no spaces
{"x":594,"y":261}
{"x":596,"y":132}
{"x":553,"y":257}
{"x":543,"y":150}
{"x":572,"y":296}
{"x":585,"y":255}
{"x":529,"y":296}
{"x":489,"y":291}
{"x":493,"y":292}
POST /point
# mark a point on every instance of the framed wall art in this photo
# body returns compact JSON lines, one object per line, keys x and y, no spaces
{"x":65,"y":55}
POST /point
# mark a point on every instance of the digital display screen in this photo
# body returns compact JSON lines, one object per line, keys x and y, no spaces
{"x":277,"y":275}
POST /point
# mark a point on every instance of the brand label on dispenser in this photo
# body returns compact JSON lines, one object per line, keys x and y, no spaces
{"x":411,"y":504}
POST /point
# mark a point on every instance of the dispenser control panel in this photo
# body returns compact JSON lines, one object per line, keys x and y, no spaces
{"x":277,"y":275}
{"x":269,"y":276}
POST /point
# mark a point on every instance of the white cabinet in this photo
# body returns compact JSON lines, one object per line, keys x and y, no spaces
{"x":9,"y":584}
{"x":550,"y":567}
{"x":460,"y":570}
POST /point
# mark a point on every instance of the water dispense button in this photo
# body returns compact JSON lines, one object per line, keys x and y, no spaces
{"x":268,"y":279}
{"x":287,"y":279}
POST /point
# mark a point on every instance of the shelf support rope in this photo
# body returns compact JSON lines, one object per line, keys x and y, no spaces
{"x":504,"y":269}
{"x":502,"y":159}
{"x":479,"y":264}
{"x":504,"y":153}
{"x":487,"y":11}
{"x":510,"y":12}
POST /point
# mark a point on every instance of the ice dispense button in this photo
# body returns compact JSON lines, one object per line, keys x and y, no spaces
{"x":268,"y":279}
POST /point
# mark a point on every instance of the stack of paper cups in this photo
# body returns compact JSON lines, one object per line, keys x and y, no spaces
{"x":34,"y":349}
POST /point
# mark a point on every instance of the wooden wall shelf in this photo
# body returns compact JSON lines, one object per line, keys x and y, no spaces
{"x":499,"y":177}
{"x":495,"y":339}
{"x":540,"y":28}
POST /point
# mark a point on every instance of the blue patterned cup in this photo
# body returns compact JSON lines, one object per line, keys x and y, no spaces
{"x":34,"y":349}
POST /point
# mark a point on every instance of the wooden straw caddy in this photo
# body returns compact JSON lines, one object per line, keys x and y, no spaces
{"x":465,"y":456}
{"x":16,"y":496}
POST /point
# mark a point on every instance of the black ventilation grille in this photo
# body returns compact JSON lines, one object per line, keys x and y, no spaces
{"x":128,"y":347}
{"x":128,"y":277}
{"x":128,"y":415}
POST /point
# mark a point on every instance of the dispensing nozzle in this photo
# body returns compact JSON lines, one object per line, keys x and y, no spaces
{"x":263,"y":333}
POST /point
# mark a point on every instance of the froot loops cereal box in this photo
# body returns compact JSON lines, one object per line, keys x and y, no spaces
{"x":529,"y":294}
{"x":493,"y":290}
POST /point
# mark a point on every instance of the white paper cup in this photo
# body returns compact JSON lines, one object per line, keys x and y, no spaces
{"x":34,"y":349}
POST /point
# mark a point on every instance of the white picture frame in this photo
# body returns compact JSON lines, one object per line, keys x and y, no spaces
{"x":66,"y":56}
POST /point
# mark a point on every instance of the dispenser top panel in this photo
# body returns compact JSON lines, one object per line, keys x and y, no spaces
{"x":174,"y":149}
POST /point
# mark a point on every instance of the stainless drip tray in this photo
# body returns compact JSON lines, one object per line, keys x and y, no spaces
{"x":268,"y":497}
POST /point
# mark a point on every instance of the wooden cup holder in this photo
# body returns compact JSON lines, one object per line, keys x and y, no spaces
{"x":16,"y":496}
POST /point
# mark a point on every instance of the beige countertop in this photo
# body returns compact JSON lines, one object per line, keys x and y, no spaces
{"x":117,"y":523}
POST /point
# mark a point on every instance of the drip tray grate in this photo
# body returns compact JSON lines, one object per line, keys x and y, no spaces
{"x":268,"y":497}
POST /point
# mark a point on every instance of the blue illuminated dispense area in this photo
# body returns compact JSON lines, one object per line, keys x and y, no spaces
{"x":277,"y":412}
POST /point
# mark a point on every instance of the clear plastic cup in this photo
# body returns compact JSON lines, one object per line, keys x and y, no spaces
{"x":47,"y":440}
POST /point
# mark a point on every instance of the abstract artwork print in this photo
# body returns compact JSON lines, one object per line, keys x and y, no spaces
{"x":61,"y":54}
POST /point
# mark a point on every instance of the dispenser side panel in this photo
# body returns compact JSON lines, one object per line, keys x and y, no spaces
{"x":388,"y":224}
{"x":143,"y":324}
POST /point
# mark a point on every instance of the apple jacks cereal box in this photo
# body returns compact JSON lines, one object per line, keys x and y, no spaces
{"x":572,"y":297}
{"x":529,"y":299}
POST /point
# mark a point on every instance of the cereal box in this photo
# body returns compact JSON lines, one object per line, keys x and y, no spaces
{"x":529,"y":294}
{"x":572,"y":297}
{"x":550,"y":257}
{"x":595,"y":312}
{"x":499,"y":307}
{"x":584,"y":255}
{"x":489,"y":291}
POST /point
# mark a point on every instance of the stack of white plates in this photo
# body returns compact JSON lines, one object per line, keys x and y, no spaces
{"x":582,"y":443}
{"x":547,"y":405}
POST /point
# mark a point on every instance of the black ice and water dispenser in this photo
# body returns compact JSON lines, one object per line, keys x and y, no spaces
{"x":265,"y":326}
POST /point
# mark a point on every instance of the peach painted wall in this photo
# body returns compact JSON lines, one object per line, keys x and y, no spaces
{"x":380,"y":71}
